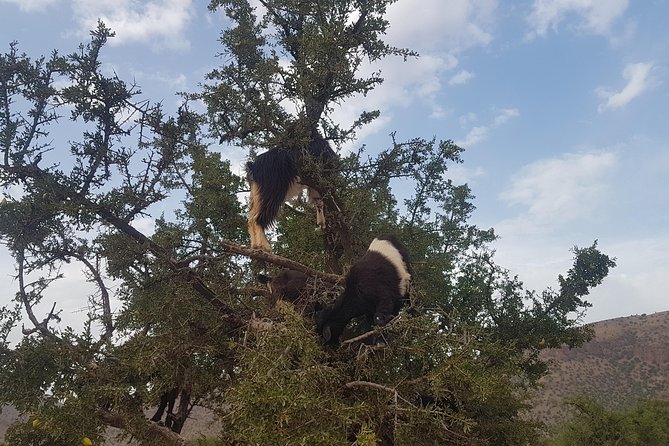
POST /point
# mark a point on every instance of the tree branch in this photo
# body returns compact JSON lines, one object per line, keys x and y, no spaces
{"x":106,"y":305}
{"x":43,"y":326}
{"x":280,"y":261}
{"x":66,"y":194}
{"x":353,"y":384}
{"x":149,"y":434}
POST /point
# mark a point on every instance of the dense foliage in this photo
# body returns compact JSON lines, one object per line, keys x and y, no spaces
{"x":645,"y":424}
{"x":456,"y":370}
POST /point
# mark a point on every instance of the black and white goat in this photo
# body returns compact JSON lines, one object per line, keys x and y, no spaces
{"x":377,"y":286}
{"x":274,"y":179}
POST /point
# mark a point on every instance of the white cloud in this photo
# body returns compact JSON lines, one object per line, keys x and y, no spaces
{"x":439,"y":34}
{"x":474,"y":136}
{"x":162,"y":21}
{"x":639,"y":282}
{"x":438,"y":112}
{"x":175,"y":81}
{"x":505,"y":115}
{"x":636,"y":285}
{"x":461,"y":77}
{"x":576,"y":198}
{"x":596,"y":16}
{"x":427,"y":25}
{"x":31,"y":5}
{"x":480,"y":132}
{"x":467,"y":119}
{"x":145,"y":225}
{"x":557,"y":191}
{"x":405,"y":83}
{"x":459,"y":174}
{"x":638,"y":80}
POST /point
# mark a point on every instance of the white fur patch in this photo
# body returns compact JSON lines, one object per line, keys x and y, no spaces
{"x":294,"y":192}
{"x":387,"y":250}
{"x":314,"y":199}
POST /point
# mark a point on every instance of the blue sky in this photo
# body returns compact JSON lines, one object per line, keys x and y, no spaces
{"x":562,"y":107}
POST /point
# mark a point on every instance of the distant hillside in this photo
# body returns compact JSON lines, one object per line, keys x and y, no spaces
{"x":628,"y":360}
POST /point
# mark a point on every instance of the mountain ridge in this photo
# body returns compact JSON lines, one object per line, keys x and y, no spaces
{"x":628,"y":360}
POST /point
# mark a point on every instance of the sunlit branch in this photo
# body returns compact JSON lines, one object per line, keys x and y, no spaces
{"x":39,"y":326}
{"x":104,"y":293}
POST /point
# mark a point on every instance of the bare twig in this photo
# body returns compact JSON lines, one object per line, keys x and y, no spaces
{"x":372,"y":332}
{"x":43,"y":326}
{"x":361,"y":337}
{"x":104,"y":293}
{"x":353,"y":384}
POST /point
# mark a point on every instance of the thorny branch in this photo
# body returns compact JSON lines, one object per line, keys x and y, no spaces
{"x":369,"y":333}
{"x":39,"y":326}
{"x":280,"y":261}
{"x":104,"y":294}
{"x":179,"y":266}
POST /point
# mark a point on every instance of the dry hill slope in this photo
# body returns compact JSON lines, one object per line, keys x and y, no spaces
{"x":628,"y":360}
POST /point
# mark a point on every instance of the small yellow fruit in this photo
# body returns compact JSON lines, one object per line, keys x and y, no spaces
{"x":86,"y":441}
{"x":37,"y":422}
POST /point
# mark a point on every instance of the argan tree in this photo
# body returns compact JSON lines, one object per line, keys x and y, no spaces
{"x":177,"y":312}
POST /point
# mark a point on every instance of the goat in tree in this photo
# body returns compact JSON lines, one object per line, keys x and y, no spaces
{"x":286,"y":285}
{"x":167,"y":401}
{"x":274,"y":179}
{"x":376,"y":286}
{"x":297,"y":288}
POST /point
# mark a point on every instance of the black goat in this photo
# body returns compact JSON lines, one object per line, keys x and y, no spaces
{"x":287,"y":285}
{"x":297,"y":288}
{"x":377,"y":286}
{"x":167,"y":401}
{"x":274,"y":179}
{"x":174,"y":420}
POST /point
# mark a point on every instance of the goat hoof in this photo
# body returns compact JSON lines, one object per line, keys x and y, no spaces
{"x":262,"y":246}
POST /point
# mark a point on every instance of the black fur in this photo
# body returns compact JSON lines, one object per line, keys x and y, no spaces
{"x":298,"y":289}
{"x":167,"y":401}
{"x":372,"y":289}
{"x":287,"y":285}
{"x":274,"y":171}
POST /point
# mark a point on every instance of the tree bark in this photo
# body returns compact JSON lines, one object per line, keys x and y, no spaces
{"x":152,"y":434}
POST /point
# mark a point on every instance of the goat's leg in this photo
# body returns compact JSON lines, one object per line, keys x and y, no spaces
{"x":171,"y":397}
{"x":384,"y":309}
{"x":256,"y":232}
{"x":161,"y":409}
{"x":166,"y":401}
{"x":316,"y":200}
{"x":258,"y":238}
